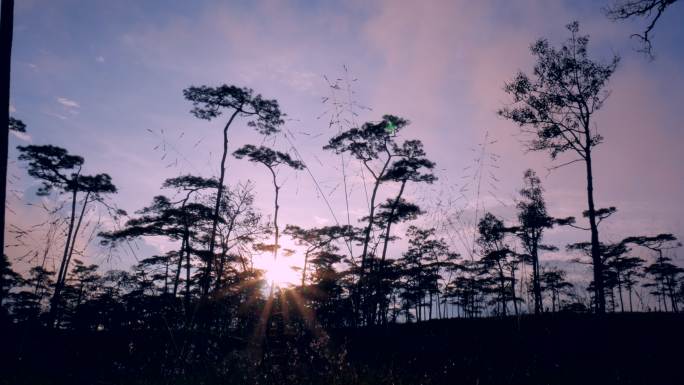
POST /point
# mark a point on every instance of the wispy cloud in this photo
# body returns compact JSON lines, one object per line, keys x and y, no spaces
{"x":100,"y":59}
{"x":58,"y":116}
{"x":21,"y":136}
{"x":68,"y":102}
{"x":12,"y":109}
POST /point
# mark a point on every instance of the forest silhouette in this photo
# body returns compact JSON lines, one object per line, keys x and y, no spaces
{"x":369,"y":304}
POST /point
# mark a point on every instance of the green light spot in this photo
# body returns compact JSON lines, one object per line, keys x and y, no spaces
{"x":390,"y":127}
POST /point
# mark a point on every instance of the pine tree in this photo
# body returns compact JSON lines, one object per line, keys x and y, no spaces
{"x":556,"y":108}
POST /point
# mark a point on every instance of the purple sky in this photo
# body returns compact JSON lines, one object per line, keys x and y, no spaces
{"x":96,"y":77}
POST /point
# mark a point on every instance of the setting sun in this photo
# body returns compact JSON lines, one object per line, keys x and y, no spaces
{"x":280,"y":272}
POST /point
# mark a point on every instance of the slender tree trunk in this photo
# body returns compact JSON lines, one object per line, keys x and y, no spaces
{"x":389,"y":226}
{"x":515,"y":299}
{"x":667,"y":283}
{"x":275,"y":215}
{"x":6,"y":30}
{"x":74,"y":236}
{"x":219,"y":195}
{"x":595,"y":245}
{"x":504,"y":307}
{"x":535,"y":279}
{"x":73,"y":244}
{"x":306,"y":261}
{"x":221,"y":265}
{"x":622,"y":304}
{"x":231,"y":224}
{"x":671,"y":292}
{"x":371,"y":219}
{"x":502,"y":288}
{"x":390,"y":219}
{"x":166,"y":275}
{"x":188,"y":267}
{"x":367,"y":232}
{"x":58,"y":284}
{"x":184,"y":243}
{"x":660,"y":298}
{"x":179,"y":268}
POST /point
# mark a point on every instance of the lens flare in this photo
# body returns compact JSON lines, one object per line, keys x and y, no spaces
{"x":280,"y":273}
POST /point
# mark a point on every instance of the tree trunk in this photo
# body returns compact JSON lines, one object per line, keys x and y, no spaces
{"x":535,"y":279}
{"x":622,"y":304}
{"x":184,"y":243}
{"x":275,"y":216}
{"x":221,"y":265}
{"x":188,"y":267}
{"x":74,"y":236}
{"x":660,"y":298}
{"x":6,"y":30}
{"x":595,"y":245}
{"x":219,"y":195}
{"x":73,"y":244}
{"x":58,"y":284}
{"x":502,"y":288}
{"x":225,"y":246}
{"x":388,"y":228}
{"x":371,"y":218}
{"x":181,"y":254}
{"x":391,"y":218}
{"x":514,"y":297}
{"x":166,"y":275}
{"x":306,"y":261}
{"x":366,"y":241}
{"x":672,"y":294}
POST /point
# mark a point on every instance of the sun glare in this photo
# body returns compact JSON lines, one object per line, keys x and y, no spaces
{"x":280,"y":272}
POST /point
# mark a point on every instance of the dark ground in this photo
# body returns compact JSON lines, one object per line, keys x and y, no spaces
{"x":554,"y":349}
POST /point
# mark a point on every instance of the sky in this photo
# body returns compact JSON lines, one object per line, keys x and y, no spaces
{"x":104,"y":80}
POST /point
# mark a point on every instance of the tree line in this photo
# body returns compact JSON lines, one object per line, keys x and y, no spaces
{"x":351,"y":276}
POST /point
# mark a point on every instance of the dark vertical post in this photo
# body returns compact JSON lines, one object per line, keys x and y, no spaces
{"x":6,"y":27}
